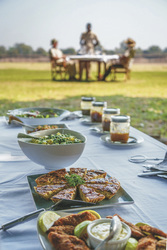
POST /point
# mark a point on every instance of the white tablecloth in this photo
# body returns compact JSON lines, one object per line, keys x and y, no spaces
{"x":100,"y":58}
{"x":149,"y":194}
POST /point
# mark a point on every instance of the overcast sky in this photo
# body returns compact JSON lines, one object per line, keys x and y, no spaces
{"x":36,"y":22}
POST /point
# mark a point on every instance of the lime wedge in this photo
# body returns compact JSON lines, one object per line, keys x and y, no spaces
{"x":47,"y":219}
{"x":81,"y":228}
{"x":131,"y":244}
{"x":93,"y":212}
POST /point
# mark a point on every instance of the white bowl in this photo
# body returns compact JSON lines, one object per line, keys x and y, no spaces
{"x":38,"y":121}
{"x":53,"y":156}
{"x":112,"y":244}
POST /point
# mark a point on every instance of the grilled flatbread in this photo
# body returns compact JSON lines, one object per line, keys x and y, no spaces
{"x":79,"y":171}
{"x":47,"y":191}
{"x":108,"y":190}
{"x":94,"y":174}
{"x":89,"y":194}
{"x":69,"y":194}
{"x":52,"y":177}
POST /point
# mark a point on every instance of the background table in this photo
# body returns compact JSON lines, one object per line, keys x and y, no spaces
{"x":149,"y":194}
{"x":93,"y":58}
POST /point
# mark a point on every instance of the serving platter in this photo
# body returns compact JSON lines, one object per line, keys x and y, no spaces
{"x":120,"y":198}
{"x":59,"y":125}
{"x":132,"y":141}
{"x":62,"y":113}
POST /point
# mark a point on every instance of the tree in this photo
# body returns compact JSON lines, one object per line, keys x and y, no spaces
{"x":69,"y":51}
{"x":3,"y":52}
{"x":41,"y":52}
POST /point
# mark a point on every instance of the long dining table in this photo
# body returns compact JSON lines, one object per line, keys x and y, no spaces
{"x":148,"y":194}
{"x":87,"y":59}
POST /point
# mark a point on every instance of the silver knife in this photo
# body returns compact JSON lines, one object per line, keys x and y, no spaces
{"x":151,"y":173}
{"x":26,"y":217}
{"x":33,"y":214}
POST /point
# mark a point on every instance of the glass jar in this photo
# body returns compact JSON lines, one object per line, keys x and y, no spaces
{"x":97,"y":111}
{"x":86,"y":103}
{"x":119,"y":128}
{"x":106,"y":117}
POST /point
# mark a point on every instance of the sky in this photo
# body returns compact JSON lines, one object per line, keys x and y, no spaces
{"x":36,"y":22}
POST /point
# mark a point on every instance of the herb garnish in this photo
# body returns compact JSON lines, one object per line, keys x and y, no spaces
{"x":74,"y":180}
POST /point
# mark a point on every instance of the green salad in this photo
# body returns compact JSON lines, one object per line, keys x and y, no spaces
{"x":38,"y":114}
{"x":57,"y":138}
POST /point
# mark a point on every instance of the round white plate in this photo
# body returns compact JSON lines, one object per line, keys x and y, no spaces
{"x":132,"y":141}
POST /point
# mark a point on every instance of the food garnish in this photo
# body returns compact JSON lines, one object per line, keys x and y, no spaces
{"x":47,"y":220}
{"x":74,"y":180}
{"x":81,"y":229}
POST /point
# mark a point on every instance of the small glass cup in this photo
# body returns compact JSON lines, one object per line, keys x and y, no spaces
{"x":119,"y":128}
{"x":106,"y":117}
{"x":97,"y":111}
{"x":86,"y":103}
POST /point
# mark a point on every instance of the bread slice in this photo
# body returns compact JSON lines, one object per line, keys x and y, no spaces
{"x":89,"y":194}
{"x":47,"y":191}
{"x":69,"y":194}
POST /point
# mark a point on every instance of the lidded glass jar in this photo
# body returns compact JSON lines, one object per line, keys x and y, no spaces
{"x":86,"y":103}
{"x":97,"y":111}
{"x":119,"y":128}
{"x":106,"y":117}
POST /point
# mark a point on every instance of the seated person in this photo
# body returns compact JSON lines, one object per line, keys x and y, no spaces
{"x":125,"y":60}
{"x":57,"y":58}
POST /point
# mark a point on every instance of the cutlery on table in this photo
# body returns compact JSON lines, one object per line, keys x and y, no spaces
{"x":23,"y":124}
{"x":30,"y":216}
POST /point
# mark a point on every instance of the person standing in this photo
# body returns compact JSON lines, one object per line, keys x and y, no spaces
{"x":88,"y":42}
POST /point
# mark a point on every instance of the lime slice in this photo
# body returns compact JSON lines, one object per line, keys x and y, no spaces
{"x":81,"y":228}
{"x":93,"y":212}
{"x":131,"y":244}
{"x":47,"y":219}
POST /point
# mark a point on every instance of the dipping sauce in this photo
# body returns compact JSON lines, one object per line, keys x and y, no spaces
{"x":120,"y":137}
{"x":97,"y":111}
{"x":102,"y":230}
{"x":119,"y":128}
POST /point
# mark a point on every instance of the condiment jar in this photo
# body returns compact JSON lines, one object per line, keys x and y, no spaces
{"x":97,"y":111}
{"x":119,"y":128}
{"x":86,"y":103}
{"x":106,"y":117}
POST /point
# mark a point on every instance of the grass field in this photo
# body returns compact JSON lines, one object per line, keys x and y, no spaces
{"x":144,"y":97}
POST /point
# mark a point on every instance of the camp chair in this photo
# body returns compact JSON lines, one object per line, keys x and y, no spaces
{"x":58,"y":69}
{"x":124,"y":68}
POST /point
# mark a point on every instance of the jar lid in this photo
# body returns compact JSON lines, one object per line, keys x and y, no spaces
{"x":88,"y":99}
{"x":111,"y":111}
{"x":99,"y":104}
{"x":120,"y":118}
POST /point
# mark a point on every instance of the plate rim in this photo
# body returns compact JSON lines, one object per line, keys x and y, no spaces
{"x":140,"y":138}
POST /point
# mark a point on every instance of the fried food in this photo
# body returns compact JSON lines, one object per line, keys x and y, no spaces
{"x":135,"y":231}
{"x":153,"y":230}
{"x":47,"y":191}
{"x":66,"y":242}
{"x":89,"y":194}
{"x":75,"y":219}
{"x":64,"y":229}
{"x":147,"y":243}
{"x":69,"y":194}
{"x":161,"y":244}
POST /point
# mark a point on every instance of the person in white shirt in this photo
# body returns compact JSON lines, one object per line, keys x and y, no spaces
{"x":58,"y":58}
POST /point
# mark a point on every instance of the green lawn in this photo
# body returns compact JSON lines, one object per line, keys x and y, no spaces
{"x":144,"y":97}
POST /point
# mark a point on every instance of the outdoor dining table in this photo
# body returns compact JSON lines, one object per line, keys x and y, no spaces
{"x":100,"y":59}
{"x":148,"y":193}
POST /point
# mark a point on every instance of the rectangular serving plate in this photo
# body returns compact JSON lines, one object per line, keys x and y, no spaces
{"x":120,"y":198}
